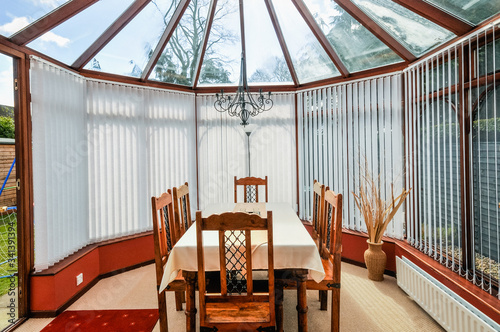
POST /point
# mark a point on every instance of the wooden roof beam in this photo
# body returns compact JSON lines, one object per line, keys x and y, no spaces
{"x":320,"y":36}
{"x":50,"y":21}
{"x":169,"y":30}
{"x":374,"y":28}
{"x":127,"y":16}
{"x":437,"y":15}
{"x":208,"y":27}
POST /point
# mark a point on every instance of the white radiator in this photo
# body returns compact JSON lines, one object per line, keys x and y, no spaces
{"x":446,"y":307}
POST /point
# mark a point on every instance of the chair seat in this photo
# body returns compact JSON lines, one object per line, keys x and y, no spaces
{"x":329,"y":277}
{"x":325,"y":284}
{"x":232,"y":312}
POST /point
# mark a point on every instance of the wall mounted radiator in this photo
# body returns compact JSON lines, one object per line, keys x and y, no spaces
{"x":446,"y":307}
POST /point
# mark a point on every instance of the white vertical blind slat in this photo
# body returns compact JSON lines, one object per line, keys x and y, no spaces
{"x":94,"y":164}
{"x":343,"y":124}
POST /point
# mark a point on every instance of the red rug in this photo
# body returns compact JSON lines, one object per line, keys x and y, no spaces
{"x":104,"y":321}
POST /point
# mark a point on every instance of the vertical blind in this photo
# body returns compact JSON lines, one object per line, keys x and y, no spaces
{"x":223,"y":151}
{"x":100,"y":151}
{"x":346,"y":126}
{"x":140,"y":144}
{"x":60,"y":168}
{"x":453,"y":159}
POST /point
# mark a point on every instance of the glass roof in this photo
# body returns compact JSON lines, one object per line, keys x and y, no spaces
{"x":222,"y":59}
{"x":128,"y":53}
{"x":357,"y":47}
{"x":357,"y":44}
{"x":68,"y":41}
{"x":269,"y":66}
{"x":416,"y":33}
{"x":471,"y":11}
{"x":17,"y":14}
{"x":310,"y":60}
{"x":177,"y":63}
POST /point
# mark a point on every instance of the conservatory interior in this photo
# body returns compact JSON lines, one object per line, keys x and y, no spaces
{"x":352,"y":145}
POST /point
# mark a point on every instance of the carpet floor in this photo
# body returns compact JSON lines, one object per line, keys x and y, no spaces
{"x":366,"y":305}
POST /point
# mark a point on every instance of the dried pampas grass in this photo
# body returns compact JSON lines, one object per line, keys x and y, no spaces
{"x":376,"y":212}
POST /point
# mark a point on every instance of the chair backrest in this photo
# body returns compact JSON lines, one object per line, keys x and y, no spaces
{"x":250,"y":188}
{"x":182,"y":209}
{"x":318,"y":205}
{"x":235,"y":259}
{"x":332,"y":224}
{"x":163,"y":231}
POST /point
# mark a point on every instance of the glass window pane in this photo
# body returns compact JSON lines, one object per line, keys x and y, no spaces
{"x":17,"y":14}
{"x":472,"y":11}
{"x":443,"y":74}
{"x":309,"y":58}
{"x":438,"y":139}
{"x":414,"y":32}
{"x":221,"y":64}
{"x":69,"y":40}
{"x":486,"y":179}
{"x":269,"y":66}
{"x":357,"y":47}
{"x":129,"y":51}
{"x":177,"y":64}
{"x":488,"y":58}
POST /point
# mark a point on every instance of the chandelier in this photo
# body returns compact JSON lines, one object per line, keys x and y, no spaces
{"x":243,"y":105}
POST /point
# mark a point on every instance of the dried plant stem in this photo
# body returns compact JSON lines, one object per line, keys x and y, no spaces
{"x":377,"y":213}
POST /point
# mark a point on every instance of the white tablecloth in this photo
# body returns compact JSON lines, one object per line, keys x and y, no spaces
{"x":293,"y":246}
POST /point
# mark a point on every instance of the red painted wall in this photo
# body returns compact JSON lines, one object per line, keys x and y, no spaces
{"x":117,"y":256}
{"x":354,"y":246}
{"x":49,"y":293}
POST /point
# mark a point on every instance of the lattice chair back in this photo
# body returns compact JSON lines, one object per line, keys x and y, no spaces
{"x":332,"y":224}
{"x":237,"y":307}
{"x":164,"y":240}
{"x":318,"y":205}
{"x":182,"y":209}
{"x":250,"y":188}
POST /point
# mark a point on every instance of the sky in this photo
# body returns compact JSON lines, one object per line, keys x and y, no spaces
{"x":6,"y":78}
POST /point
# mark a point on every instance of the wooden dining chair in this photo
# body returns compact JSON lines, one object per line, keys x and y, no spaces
{"x":182,"y":209}
{"x":236,"y":307}
{"x":318,"y":204}
{"x":250,"y":188}
{"x":164,"y":240}
{"x":330,"y":251}
{"x":329,"y":246}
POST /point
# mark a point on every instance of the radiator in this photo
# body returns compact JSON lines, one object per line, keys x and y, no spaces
{"x":446,"y":307}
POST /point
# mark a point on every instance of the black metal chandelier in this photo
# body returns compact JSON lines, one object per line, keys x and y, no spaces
{"x":243,"y":105}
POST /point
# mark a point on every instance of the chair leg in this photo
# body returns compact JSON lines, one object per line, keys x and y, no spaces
{"x":323,"y":297}
{"x":162,"y":310}
{"x":278,"y":306}
{"x":178,"y":300}
{"x":335,"y":310}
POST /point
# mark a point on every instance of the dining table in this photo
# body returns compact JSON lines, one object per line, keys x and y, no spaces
{"x":295,"y":256}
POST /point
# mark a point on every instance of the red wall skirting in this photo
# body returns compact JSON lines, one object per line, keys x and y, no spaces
{"x":53,"y":290}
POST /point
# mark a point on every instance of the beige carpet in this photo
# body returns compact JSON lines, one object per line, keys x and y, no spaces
{"x":365,"y":305}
